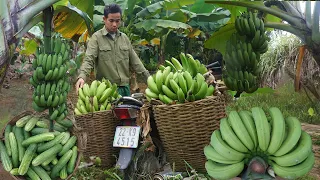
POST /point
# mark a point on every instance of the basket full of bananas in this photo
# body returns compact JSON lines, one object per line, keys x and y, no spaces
{"x":94,"y":116}
{"x":186,"y":111}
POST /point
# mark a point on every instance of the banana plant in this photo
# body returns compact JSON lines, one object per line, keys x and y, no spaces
{"x":17,"y":17}
{"x":187,"y":17}
{"x":303,"y":25}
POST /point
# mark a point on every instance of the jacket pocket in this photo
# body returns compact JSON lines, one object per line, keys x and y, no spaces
{"x":105,"y":53}
{"x":124,"y":53}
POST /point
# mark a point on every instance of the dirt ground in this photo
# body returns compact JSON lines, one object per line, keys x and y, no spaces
{"x":18,"y":97}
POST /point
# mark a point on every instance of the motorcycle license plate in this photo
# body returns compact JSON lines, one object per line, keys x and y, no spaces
{"x":126,"y":136}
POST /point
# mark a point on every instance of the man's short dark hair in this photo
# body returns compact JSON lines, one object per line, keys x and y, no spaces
{"x":112,"y":8}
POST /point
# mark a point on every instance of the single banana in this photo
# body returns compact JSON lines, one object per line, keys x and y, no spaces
{"x":213,"y":155}
{"x":169,"y":93}
{"x":248,"y":122}
{"x":81,"y":94}
{"x":262,"y":127}
{"x":174,"y":85}
{"x":223,"y":148}
{"x":95,"y":103}
{"x":293,"y":136}
{"x":49,"y":75}
{"x":192,"y":65}
{"x":182,"y":83}
{"x":159,"y":80}
{"x":167,"y":100}
{"x":278,"y":125}
{"x":240,"y":130}
{"x":48,"y":63}
{"x":223,"y":171}
{"x":86,"y":89}
{"x":152,"y":85}
{"x":230,"y":137}
{"x":181,"y":96}
{"x":296,"y":171}
{"x":105,"y":95}
{"x":210,"y":90}
{"x":151,"y":94}
{"x":101,"y":88}
{"x":184,"y":61}
{"x":167,"y":80}
{"x":297,"y":155}
{"x":202,"y":91}
{"x":187,"y":76}
{"x":93,"y":87}
{"x":176,"y":64}
{"x":168,"y":63}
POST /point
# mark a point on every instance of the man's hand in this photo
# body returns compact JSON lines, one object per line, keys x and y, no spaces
{"x":79,"y":84}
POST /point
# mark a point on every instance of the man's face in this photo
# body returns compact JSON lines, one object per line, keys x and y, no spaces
{"x":112,"y":22}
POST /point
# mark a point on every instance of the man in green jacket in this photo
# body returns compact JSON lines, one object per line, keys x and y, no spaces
{"x":111,"y":54}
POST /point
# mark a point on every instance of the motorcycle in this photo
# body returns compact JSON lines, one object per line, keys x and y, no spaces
{"x":127,"y":135}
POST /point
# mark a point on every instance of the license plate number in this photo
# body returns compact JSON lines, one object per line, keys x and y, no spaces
{"x":126,"y":136}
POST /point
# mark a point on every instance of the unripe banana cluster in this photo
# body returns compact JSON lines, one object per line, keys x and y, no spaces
{"x":243,"y":53}
{"x":179,"y":83}
{"x":51,"y":85}
{"x":96,"y":97}
{"x":244,"y":135}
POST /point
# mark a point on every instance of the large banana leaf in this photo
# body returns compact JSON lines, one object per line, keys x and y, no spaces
{"x":73,"y":18}
{"x":155,"y":8}
{"x":15,"y":17}
{"x":158,"y":25}
{"x":219,"y":39}
{"x":201,"y":7}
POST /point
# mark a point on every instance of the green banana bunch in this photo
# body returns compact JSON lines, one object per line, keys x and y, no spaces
{"x":188,"y":63}
{"x":51,"y":85}
{"x":244,"y":135}
{"x":96,"y":97}
{"x":243,"y":54}
{"x":177,"y":87}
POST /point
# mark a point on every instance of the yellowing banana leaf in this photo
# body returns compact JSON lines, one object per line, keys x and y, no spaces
{"x":155,"y":41}
{"x":71,"y":22}
{"x":219,"y":39}
{"x":29,"y":48}
{"x":194,"y":33}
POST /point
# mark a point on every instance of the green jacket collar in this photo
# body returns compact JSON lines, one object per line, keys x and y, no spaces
{"x":105,"y":32}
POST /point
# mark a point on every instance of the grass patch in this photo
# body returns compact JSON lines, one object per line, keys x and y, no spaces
{"x":290,"y":103}
{"x":307,"y":177}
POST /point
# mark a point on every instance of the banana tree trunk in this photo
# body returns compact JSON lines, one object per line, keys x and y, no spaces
{"x":14,"y":18}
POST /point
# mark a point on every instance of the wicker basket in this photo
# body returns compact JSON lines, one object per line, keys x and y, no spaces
{"x":100,"y":127}
{"x":185,"y":129}
{"x":80,"y":143}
